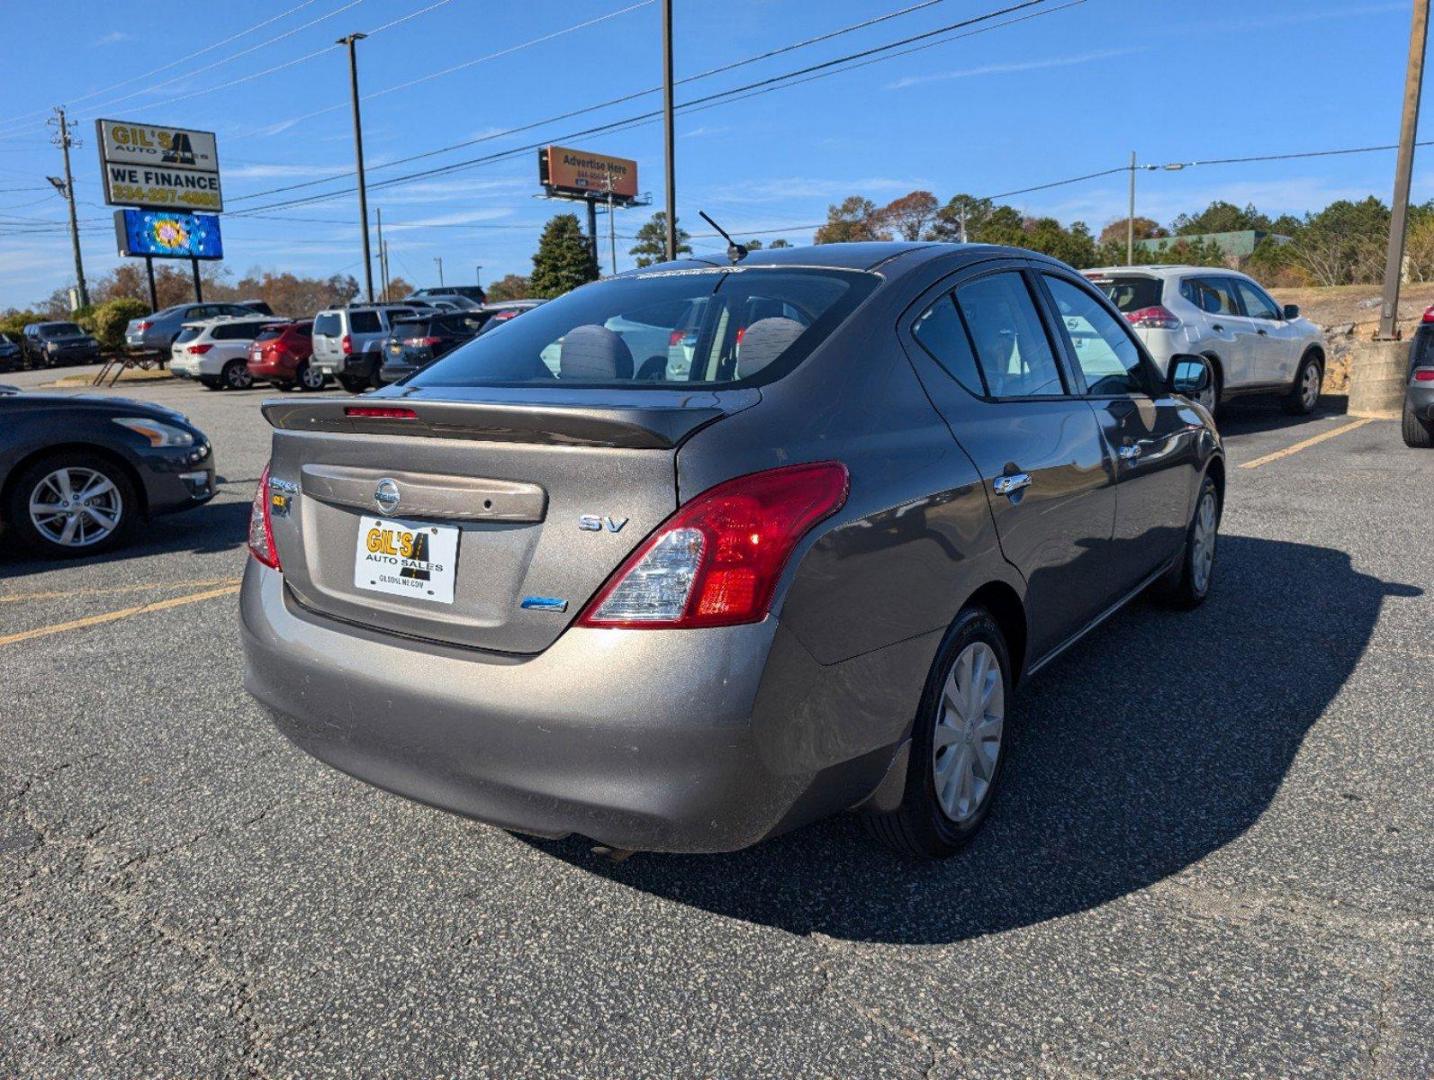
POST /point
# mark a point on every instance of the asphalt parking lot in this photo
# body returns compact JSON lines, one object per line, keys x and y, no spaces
{"x":1213,"y":857}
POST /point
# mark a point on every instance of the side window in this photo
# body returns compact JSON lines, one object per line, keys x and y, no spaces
{"x":1011,"y":344}
{"x":1107,"y":357}
{"x":364,"y":322}
{"x":1257,"y":304}
{"x":1215,"y":296}
{"x":940,"y":333}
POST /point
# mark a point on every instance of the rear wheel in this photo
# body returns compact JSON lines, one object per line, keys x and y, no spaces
{"x":1188,"y":582}
{"x":1304,"y":395}
{"x":235,"y":376}
{"x":310,"y":378}
{"x":1417,"y":433}
{"x":71,"y":504}
{"x":957,"y":744}
{"x":354,"y":384}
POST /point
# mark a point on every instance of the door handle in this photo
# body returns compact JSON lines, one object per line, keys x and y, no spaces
{"x":1009,"y":485}
{"x":1129,"y":453}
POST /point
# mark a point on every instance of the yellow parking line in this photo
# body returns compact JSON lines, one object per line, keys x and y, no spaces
{"x":114,"y":616}
{"x":1306,"y":444}
{"x":112,"y":589}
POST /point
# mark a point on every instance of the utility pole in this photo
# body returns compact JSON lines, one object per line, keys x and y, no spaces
{"x":439,"y":260}
{"x":1408,"y":126}
{"x":478,"y":274}
{"x":1130,"y":218}
{"x":65,"y":141}
{"x":671,"y":168}
{"x":351,"y":40}
{"x":382,"y":257}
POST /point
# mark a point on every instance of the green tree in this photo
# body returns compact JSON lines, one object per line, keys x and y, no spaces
{"x":563,"y":260}
{"x":1220,"y":216}
{"x":1145,"y":229}
{"x":509,"y":287}
{"x":853,"y":219}
{"x":779,"y":243}
{"x":651,"y":246}
{"x":1075,"y":245}
{"x":1344,"y":243}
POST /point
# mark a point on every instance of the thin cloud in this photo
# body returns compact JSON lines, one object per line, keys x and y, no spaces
{"x":114,"y":37}
{"x":1006,"y":69}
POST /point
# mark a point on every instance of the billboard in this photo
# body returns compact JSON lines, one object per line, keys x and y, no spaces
{"x":165,"y":234}
{"x":160,"y":167}
{"x":564,"y":171}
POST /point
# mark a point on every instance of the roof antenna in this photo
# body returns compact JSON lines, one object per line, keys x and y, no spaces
{"x":735,"y":251}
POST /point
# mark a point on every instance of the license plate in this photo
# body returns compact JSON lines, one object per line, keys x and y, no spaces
{"x":406,"y":558}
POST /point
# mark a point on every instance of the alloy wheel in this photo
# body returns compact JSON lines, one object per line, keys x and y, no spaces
{"x":1309,"y":386}
{"x":311,"y":378}
{"x":76,"y":507}
{"x":1202,"y":543}
{"x":966,"y":744}
{"x":237,"y":377}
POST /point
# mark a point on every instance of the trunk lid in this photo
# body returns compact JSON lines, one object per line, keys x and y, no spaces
{"x":510,"y":495}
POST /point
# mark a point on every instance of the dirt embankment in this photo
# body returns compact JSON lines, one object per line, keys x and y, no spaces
{"x":1350,"y":313}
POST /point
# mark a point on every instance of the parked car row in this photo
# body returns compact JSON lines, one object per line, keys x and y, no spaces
{"x":49,"y":344}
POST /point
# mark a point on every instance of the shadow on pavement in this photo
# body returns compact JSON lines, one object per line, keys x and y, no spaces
{"x":1159,"y":739}
{"x":204,"y":530}
{"x":1248,"y":415}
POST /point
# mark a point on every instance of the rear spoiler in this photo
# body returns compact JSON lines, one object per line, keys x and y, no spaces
{"x":637,"y":425}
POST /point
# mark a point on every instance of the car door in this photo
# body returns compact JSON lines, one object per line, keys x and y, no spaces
{"x":989,"y":366}
{"x":1152,"y":436}
{"x":1227,"y":331}
{"x":1274,"y":356}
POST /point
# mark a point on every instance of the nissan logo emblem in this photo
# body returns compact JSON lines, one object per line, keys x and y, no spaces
{"x":386,"y":495}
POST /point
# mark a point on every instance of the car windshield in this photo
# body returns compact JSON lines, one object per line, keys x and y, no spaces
{"x":1130,"y":293}
{"x":60,"y":329}
{"x":189,"y":333}
{"x":721,"y":327}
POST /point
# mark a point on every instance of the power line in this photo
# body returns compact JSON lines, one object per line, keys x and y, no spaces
{"x":613,"y":125}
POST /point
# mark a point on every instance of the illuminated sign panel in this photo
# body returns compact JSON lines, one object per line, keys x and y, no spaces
{"x":163,"y":234}
{"x":150,"y":165}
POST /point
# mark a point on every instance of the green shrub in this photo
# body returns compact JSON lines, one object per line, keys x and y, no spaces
{"x":108,"y":320}
{"x":14,"y":321}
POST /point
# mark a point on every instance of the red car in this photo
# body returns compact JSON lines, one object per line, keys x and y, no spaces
{"x":280,"y":355}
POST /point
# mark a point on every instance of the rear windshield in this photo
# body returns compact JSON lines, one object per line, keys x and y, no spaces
{"x":407,"y":328}
{"x":60,"y":329}
{"x":1130,"y":293}
{"x":328,"y":324}
{"x":269,"y":333}
{"x":189,"y":333}
{"x":719,"y":327}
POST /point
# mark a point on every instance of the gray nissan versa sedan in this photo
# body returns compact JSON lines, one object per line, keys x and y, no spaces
{"x":702,"y":552}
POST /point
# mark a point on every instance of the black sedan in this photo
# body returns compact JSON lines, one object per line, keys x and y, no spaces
{"x":416,"y":342}
{"x":78,"y":474}
{"x":12,"y":357}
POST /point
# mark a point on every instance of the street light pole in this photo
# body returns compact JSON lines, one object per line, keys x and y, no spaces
{"x":351,"y":40}
{"x":62,"y":136}
{"x":1409,"y":124}
{"x":439,"y":260}
{"x":671,"y":168}
{"x":478,"y":274}
{"x":1130,"y":218}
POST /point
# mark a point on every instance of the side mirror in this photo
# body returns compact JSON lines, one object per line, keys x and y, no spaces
{"x":1292,"y":312}
{"x":1190,"y":375}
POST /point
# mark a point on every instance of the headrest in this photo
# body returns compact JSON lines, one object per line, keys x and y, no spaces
{"x":594,"y":353}
{"x":763,"y":342}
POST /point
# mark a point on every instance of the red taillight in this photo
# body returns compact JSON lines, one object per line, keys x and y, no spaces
{"x":1424,"y":375}
{"x":1428,"y":315}
{"x":716,"y":561}
{"x":1154,"y":317}
{"x":348,"y":345}
{"x":675,"y":338}
{"x":261,"y":527}
{"x":504,"y":316}
{"x":741,"y":333}
{"x":428,"y":342}
{"x":200,"y":350}
{"x":380,"y":412}
{"x":142,"y":327}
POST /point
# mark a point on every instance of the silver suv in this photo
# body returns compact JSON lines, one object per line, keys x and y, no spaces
{"x":1254,"y":345}
{"x":348,"y":342}
{"x":156,"y":333}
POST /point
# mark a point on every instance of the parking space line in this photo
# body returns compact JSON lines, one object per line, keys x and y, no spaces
{"x":115,"y":616}
{"x":110,"y":590}
{"x":1305,"y":444}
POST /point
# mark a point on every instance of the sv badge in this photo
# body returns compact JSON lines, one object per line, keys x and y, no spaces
{"x":596,"y":523}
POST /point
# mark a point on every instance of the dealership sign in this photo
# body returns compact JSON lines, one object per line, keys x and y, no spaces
{"x":166,"y":234}
{"x":159,"y":167}
{"x":564,"y":171}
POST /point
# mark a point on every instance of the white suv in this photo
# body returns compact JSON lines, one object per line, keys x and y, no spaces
{"x":1254,"y":345}
{"x":216,"y":351}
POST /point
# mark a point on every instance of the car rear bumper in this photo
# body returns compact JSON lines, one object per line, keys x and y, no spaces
{"x":272,"y":369}
{"x":693,"y":741}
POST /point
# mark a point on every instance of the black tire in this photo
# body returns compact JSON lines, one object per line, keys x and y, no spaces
{"x":284,"y":387}
{"x":210,"y":382}
{"x":354,"y":384}
{"x":919,"y":826}
{"x":309,"y":378}
{"x":1298,"y":402}
{"x":17,"y":504}
{"x":1418,"y":433}
{"x":1185,"y":587}
{"x":235,"y":376}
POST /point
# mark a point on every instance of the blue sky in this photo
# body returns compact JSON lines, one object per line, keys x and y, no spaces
{"x":1070,"y":91}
